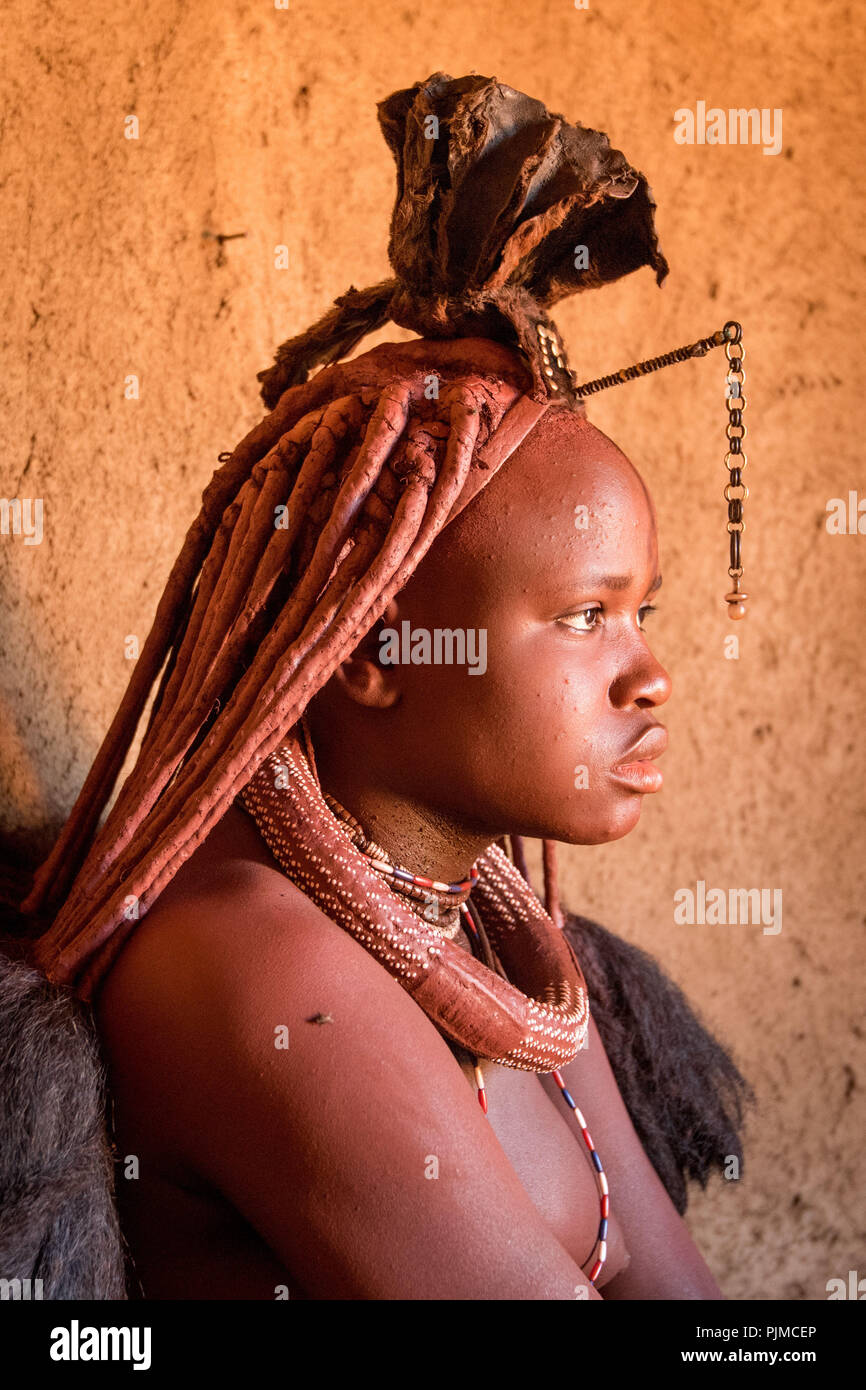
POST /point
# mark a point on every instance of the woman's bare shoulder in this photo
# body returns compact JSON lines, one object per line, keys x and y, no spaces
{"x":227,"y":909}
{"x":232,"y":966}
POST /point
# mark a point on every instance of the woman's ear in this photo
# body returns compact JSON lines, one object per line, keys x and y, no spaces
{"x":362,"y":677}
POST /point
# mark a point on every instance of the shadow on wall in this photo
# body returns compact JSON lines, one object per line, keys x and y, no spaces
{"x":41,"y":771}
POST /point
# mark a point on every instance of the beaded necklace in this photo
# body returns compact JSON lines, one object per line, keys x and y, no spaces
{"x":418,"y":888}
{"x":442,"y":901}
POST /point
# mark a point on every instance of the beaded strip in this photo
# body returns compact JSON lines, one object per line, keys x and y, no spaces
{"x":535,"y":1027}
{"x":736,"y":490}
{"x":598,"y":1254}
{"x":441,"y":900}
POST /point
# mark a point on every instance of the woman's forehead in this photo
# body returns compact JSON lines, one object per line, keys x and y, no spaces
{"x":567,"y":498}
{"x":565,"y":472}
{"x":564,"y":445}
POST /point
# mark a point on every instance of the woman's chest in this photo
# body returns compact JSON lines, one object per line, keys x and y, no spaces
{"x":544,"y":1145}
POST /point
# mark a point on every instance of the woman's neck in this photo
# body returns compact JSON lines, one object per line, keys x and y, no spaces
{"x":413,"y":835}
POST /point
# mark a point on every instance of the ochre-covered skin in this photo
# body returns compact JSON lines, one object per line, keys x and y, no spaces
{"x":436,"y":763}
{"x":307,"y":1167}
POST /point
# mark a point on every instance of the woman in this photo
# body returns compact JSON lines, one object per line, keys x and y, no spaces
{"x":317,"y":796}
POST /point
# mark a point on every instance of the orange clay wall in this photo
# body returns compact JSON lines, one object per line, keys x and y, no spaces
{"x":153,"y":258}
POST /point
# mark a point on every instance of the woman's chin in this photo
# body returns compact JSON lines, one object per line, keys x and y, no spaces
{"x":618,"y":821}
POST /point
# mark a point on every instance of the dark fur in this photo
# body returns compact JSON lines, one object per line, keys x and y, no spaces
{"x":683,"y":1092}
{"x":58,"y":1220}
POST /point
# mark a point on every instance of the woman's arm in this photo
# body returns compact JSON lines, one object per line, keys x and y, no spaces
{"x":665,"y":1262}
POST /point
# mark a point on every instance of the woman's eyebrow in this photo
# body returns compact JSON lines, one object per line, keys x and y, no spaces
{"x":618,"y":581}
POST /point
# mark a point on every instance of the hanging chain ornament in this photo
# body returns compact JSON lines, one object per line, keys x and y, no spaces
{"x":736,"y":491}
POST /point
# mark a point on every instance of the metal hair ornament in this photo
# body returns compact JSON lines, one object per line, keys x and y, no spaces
{"x":561,"y":377}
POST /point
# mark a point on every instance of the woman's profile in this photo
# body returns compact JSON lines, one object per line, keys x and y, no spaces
{"x":351,"y":1054}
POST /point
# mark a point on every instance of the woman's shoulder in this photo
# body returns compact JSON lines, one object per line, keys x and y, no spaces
{"x":228,"y":915}
{"x":232,"y":958}
{"x":232,"y":970}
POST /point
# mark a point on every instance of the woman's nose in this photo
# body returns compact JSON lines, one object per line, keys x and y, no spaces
{"x":658,"y":685}
{"x":645,"y":682}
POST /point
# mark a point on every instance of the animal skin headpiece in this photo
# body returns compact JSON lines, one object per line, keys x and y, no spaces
{"x":320,"y":516}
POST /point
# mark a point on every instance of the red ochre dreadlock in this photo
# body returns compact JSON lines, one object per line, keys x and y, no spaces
{"x":360,"y":467}
{"x":366,"y":486}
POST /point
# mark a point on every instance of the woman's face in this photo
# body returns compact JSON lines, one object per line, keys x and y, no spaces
{"x":549,"y":573}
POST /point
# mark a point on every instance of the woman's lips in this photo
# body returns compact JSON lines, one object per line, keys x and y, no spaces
{"x":636,"y":770}
{"x":642,"y":775}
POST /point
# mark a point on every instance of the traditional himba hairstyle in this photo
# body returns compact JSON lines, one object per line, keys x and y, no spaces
{"x":320,"y":516}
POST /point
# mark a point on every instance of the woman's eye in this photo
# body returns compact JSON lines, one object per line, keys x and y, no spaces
{"x":580,"y":620}
{"x":588,"y":619}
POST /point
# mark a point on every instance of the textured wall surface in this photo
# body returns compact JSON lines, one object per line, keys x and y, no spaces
{"x":154,"y":257}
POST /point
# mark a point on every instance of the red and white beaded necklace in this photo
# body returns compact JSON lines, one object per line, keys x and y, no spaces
{"x":419,"y":888}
